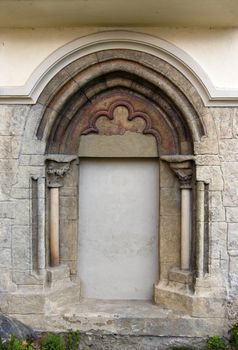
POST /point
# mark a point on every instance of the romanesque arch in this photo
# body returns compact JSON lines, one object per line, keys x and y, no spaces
{"x":81,"y":103}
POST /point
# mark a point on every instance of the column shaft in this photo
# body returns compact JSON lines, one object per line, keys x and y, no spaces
{"x":186,"y":228}
{"x":200,"y":228}
{"x":54,"y":226}
{"x":41,"y":223}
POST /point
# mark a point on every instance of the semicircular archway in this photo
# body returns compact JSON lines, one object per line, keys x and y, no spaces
{"x":69,"y":97}
{"x":138,"y":101}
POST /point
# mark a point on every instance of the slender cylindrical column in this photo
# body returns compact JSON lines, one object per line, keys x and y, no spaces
{"x":54,"y":226}
{"x":41,"y":223}
{"x":186,"y":227}
{"x":200,"y":228}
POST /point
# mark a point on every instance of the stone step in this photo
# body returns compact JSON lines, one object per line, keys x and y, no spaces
{"x":126,"y":318}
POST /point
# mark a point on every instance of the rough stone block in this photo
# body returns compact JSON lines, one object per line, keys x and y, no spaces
{"x":22,"y":212}
{"x":230,"y":173}
{"x":170,"y":238}
{"x":12,"y":119}
{"x":218,"y":231}
{"x":233,"y":264}
{"x":228,"y":146}
{"x":28,"y":278}
{"x":5,"y":233}
{"x":33,"y":147}
{"x":212,"y":175}
{"x":208,"y":307}
{"x":68,"y":243}
{"x":233,"y":235}
{"x":7,"y":210}
{"x":170,"y":202}
{"x":235,"y":122}
{"x":171,"y":298}
{"x":69,"y":208}
{"x":225,"y":129}
{"x":57,"y":273}
{"x":233,"y":281}
{"x":6,"y":147}
{"x":26,"y":172}
{"x":21,"y":247}
{"x":218,"y":249}
{"x":6,"y":283}
{"x":20,"y":193}
{"x":5,"y":258}
{"x":67,"y":293}
{"x":206,"y":146}
{"x":232,"y":214}
{"x":8,"y":166}
{"x":8,"y":179}
{"x":25,"y":303}
{"x":217,"y":211}
{"x":181,"y":276}
{"x":210,"y":126}
{"x":165,"y":267}
{"x":167,"y":176}
{"x":207,"y":160}
{"x":218,"y":266}
{"x":68,"y":191}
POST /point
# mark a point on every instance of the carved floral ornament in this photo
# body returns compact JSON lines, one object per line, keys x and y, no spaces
{"x":184,"y":172}
{"x":56,"y":172}
{"x":183,"y":168}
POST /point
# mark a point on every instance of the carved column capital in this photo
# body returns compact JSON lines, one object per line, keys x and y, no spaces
{"x":56,"y":172}
{"x":184,"y":172}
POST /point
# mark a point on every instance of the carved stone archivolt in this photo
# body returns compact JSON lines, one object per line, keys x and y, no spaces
{"x":74,"y":109}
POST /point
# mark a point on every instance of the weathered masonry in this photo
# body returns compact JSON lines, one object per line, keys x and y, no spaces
{"x":119,"y":189}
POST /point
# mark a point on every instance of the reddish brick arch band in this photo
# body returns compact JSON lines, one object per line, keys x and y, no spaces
{"x":76,"y":95}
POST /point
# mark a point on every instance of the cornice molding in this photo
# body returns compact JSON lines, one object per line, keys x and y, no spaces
{"x":118,"y":39}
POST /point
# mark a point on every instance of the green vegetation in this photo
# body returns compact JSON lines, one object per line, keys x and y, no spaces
{"x":73,"y":339}
{"x":234,"y":335}
{"x":49,"y":341}
{"x":70,"y":341}
{"x":216,"y":343}
{"x":53,"y":342}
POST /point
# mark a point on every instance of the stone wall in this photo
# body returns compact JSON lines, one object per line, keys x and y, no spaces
{"x":22,"y":158}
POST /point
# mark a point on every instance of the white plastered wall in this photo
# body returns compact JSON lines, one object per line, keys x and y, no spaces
{"x":118,"y":228}
{"x":215,"y":50}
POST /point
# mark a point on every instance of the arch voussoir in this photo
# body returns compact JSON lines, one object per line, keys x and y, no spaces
{"x":120,"y":73}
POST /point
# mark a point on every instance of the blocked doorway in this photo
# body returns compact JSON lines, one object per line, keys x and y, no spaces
{"x":118,"y":228}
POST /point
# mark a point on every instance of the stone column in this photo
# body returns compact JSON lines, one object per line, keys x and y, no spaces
{"x":41,"y":223}
{"x":186,"y":228}
{"x":200,"y":227}
{"x":54,"y":226}
{"x":56,"y":172}
{"x":183,"y":171}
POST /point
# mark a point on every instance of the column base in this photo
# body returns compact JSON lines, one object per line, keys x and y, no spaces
{"x":56,"y":290}
{"x":178,"y":294}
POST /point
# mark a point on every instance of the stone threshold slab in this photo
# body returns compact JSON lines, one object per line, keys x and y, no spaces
{"x":132,"y":318}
